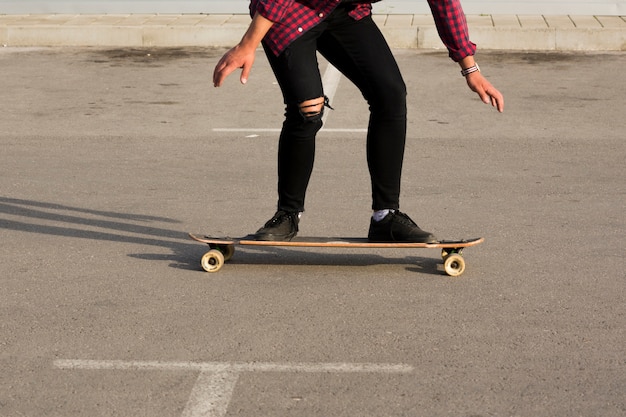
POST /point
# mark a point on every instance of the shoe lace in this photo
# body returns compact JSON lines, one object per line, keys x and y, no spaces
{"x":404,"y":219}
{"x":280,"y":216}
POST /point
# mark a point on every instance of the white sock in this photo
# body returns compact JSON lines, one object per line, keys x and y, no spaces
{"x":381,"y":214}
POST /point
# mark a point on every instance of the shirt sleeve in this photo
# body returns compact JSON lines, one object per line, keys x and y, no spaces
{"x":274,"y":10}
{"x":452,"y":28}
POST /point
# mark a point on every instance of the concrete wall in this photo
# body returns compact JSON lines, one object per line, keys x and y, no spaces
{"x":531,"y":7}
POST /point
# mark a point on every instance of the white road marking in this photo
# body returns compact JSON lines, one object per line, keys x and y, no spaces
{"x":330,"y":81}
{"x":211,"y":394}
{"x":274,"y":130}
{"x":231,"y":366}
{"x":215,"y":385}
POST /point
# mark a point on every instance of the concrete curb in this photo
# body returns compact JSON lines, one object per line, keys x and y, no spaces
{"x":495,"y":32}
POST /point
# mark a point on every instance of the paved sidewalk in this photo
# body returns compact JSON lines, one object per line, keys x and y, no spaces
{"x":510,"y":32}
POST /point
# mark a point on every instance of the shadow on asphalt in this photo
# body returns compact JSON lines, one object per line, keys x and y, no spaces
{"x":76,"y":222}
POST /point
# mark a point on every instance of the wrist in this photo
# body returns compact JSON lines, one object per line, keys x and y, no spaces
{"x":256,"y":32}
{"x":469,"y":70}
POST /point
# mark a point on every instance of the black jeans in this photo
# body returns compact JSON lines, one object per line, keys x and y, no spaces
{"x":359,"y":51}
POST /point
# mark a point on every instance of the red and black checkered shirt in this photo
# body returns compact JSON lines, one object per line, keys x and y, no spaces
{"x":292,"y":18}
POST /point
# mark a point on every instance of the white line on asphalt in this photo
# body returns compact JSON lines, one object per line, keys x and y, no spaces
{"x":215,"y":385}
{"x":330,"y":81}
{"x":274,"y":130}
{"x":211,"y":394}
{"x":231,"y":366}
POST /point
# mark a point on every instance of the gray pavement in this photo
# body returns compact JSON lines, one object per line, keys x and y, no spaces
{"x":490,"y":32}
{"x":110,"y":155}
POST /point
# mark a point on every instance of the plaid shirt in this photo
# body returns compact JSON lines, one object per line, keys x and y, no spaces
{"x":292,"y":18}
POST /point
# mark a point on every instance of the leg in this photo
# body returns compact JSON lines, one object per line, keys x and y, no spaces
{"x":296,"y":152}
{"x":297,"y":73}
{"x":360,"y":52}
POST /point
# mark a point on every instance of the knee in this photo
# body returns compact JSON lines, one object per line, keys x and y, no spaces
{"x":390,"y":99}
{"x":395,"y":97}
{"x":304,"y":120}
{"x":312,"y":110}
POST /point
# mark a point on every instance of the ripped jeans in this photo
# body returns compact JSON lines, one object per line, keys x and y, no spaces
{"x":359,"y":51}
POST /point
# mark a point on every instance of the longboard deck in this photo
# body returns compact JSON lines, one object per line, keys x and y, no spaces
{"x":223,"y":248}
{"x":333,"y":242}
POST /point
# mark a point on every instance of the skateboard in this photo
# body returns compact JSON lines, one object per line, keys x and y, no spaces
{"x":223,"y":248}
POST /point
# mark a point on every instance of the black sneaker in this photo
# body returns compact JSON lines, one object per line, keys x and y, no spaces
{"x":282,"y":227}
{"x":398,"y":227}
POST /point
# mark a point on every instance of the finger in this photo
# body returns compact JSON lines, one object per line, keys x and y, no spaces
{"x":220,"y":74}
{"x":498,"y":103}
{"x":222,"y":69}
{"x":217,"y":74}
{"x":245,"y":73}
{"x":482,"y":92}
{"x":217,"y":79}
{"x":484,"y":96}
{"x":497,"y":100}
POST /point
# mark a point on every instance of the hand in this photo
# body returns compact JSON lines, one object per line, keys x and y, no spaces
{"x":237,"y":57}
{"x":487,"y":92}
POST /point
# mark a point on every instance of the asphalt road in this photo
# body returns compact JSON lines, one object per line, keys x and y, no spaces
{"x":109,"y":157}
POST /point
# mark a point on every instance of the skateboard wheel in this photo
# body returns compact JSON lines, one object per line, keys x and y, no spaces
{"x":228,"y":251}
{"x":454,"y":265}
{"x":212,"y":261}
